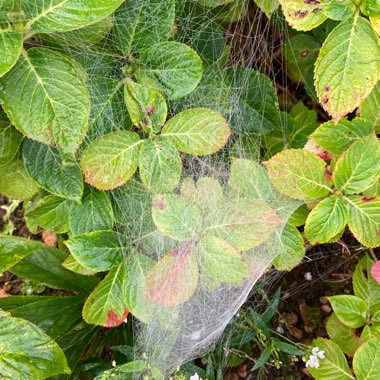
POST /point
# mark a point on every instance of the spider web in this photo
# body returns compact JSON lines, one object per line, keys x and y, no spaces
{"x":166,"y":337}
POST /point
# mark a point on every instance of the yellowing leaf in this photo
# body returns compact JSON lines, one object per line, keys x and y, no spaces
{"x":359,"y":166}
{"x":197,"y":131}
{"x":220,"y":261}
{"x":327,"y":219}
{"x":111,"y":160}
{"x":244,"y":222}
{"x":176,"y":217}
{"x":15,"y":182}
{"x":364,"y":219}
{"x":160,"y":165}
{"x":298,"y":174}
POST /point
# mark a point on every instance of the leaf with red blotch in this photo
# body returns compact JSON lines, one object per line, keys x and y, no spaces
{"x":375,"y":271}
{"x":174,"y":278}
{"x":106,"y":304}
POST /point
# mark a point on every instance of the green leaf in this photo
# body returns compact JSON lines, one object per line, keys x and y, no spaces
{"x":11,"y":43}
{"x":108,"y":110}
{"x":347,"y":69}
{"x":63,"y":15}
{"x":370,"y":7}
{"x":146,"y":106}
{"x":352,"y":311}
{"x":254,"y":107}
{"x":290,"y":349}
{"x":72,"y":265}
{"x":26,"y":352}
{"x":213,"y":3}
{"x":364,"y":219}
{"x":207,"y":193}
{"x":206,"y":36}
{"x":51,"y":213}
{"x":336,"y":138}
{"x":86,"y":36}
{"x":111,"y":160}
{"x":55,"y":172}
{"x":174,"y":278}
{"x":326,"y":220}
{"x":135,"y":296}
{"x":13,"y":249}
{"x":334,"y":365}
{"x":359,"y":166}
{"x":263,"y":358}
{"x":293,"y":132}
{"x":106,"y":306}
{"x":301,"y":52}
{"x":292,"y":249}
{"x":54,"y":315}
{"x":199,"y":131}
{"x":298,"y":174}
{"x":174,"y":66}
{"x":220,"y":261}
{"x":47,"y":84}
{"x":340,"y":10}
{"x":365,"y":286}
{"x":10,"y":140}
{"x":372,"y":329}
{"x":143,"y":23}
{"x":370,"y":107}
{"x":135,"y":366}
{"x":75,"y":342}
{"x":299,"y":216}
{"x":366,"y":361}
{"x":176,"y":217}
{"x":44,"y":265}
{"x":160,"y":165}
{"x":303,"y":15}
{"x":244,"y":222}
{"x":94,"y":214}
{"x":15,"y":181}
{"x":132,"y":204}
{"x":249,"y":179}
{"x":99,"y":250}
{"x":267,"y":6}
{"x":345,"y":337}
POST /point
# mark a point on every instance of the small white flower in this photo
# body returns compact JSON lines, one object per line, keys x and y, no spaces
{"x":280,"y":330}
{"x":321,"y":354}
{"x":195,"y":377}
{"x":113,"y":363}
{"x":313,"y":362}
{"x":315,"y":350}
{"x":308,"y":276}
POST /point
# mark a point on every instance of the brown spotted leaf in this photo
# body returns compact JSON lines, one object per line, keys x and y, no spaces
{"x":303,"y":14}
{"x":347,"y":68}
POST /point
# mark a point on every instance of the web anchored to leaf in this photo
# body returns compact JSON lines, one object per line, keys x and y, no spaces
{"x":137,"y":130}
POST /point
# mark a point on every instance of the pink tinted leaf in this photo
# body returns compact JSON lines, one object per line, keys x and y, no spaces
{"x":375,"y":271}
